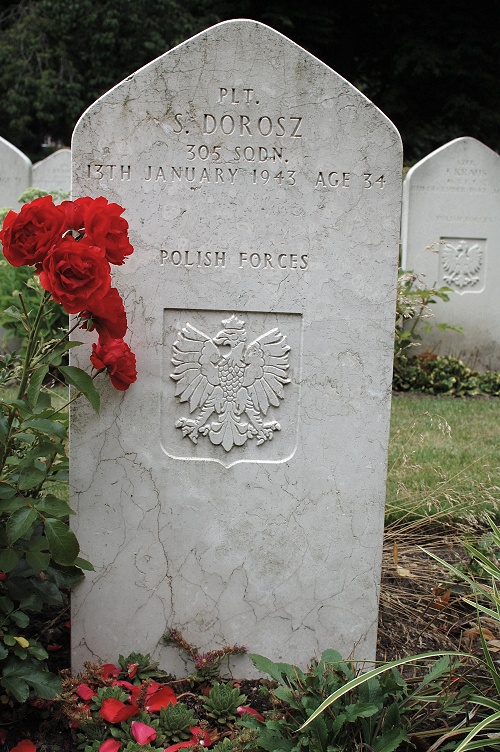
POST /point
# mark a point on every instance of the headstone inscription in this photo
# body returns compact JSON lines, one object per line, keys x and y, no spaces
{"x":15,"y":174}
{"x":236,"y":491}
{"x":451,"y":236}
{"x":53,"y":172}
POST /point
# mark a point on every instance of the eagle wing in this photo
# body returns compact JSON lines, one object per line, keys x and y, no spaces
{"x":474,"y":258}
{"x":266,"y":369}
{"x":450,"y":259}
{"x":195,"y":358}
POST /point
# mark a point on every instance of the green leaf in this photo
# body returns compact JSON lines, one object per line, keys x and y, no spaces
{"x":64,"y":578}
{"x":42,"y":425}
{"x":83,"y":382}
{"x":30,"y":477}
{"x":4,"y":429}
{"x":35,"y":384}
{"x":50,"y":593}
{"x":6,"y":605}
{"x":44,"y":683}
{"x":63,"y":544}
{"x":331,"y":656}
{"x":390,"y":740}
{"x":83,"y":564}
{"x":16,"y":686}
{"x":277,"y":670}
{"x":360,"y":710}
{"x":20,"y":618}
{"x":32,"y":603}
{"x":13,"y":313}
{"x":9,"y":506}
{"x":7,"y":491}
{"x":38,"y":652}
{"x":54,"y":355}
{"x":51,"y":506}
{"x":38,"y":560}
{"x":8,"y":559}
{"x":19,"y":523}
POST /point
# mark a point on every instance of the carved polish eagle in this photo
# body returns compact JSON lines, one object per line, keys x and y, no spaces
{"x":231,"y":384}
{"x":461,"y":262}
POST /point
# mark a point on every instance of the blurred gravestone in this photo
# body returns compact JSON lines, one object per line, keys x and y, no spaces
{"x":54,"y":172}
{"x":236,"y":491}
{"x":15,"y":175}
{"x":451,"y":236}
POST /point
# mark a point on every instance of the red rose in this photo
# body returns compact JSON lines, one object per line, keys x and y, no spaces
{"x":76,"y":273}
{"x":118,"y":359}
{"x":27,"y":237}
{"x":105,"y":227}
{"x":107,"y":316}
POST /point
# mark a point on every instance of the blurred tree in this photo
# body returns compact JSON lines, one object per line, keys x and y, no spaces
{"x":59,"y":56}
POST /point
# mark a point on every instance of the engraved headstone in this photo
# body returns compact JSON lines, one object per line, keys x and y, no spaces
{"x":451,"y":236}
{"x":54,"y":172}
{"x":15,"y":174}
{"x":236,"y":491}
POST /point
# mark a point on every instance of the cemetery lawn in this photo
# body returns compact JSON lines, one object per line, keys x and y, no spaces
{"x":443,"y":479}
{"x":444,"y":455}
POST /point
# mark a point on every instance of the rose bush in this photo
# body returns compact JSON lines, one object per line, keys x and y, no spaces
{"x":70,"y":248}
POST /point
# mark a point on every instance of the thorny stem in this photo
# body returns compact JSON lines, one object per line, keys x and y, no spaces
{"x":33,"y":333}
{"x":55,"y":344}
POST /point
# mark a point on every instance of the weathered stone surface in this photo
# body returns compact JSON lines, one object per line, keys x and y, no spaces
{"x":263,"y":193}
{"x":451,"y":236}
{"x":54,"y":172}
{"x":15,"y":174}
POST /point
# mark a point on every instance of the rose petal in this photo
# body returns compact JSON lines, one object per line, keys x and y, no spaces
{"x":251,"y":711}
{"x":115,"y":711}
{"x":110,"y":745}
{"x":85,"y":692}
{"x":24,"y":746}
{"x":160,"y":699}
{"x":142,"y":733}
{"x":109,"y":669}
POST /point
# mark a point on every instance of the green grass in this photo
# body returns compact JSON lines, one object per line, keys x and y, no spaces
{"x":444,"y":456}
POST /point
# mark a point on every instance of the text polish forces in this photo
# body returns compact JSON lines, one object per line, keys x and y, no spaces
{"x":255,"y":260}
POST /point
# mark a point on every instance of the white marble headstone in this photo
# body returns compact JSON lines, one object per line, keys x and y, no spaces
{"x":15,"y":175}
{"x":236,"y":491}
{"x":53,"y":172}
{"x":451,"y":236}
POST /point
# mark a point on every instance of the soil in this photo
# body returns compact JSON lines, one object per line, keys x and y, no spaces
{"x":418,"y":613}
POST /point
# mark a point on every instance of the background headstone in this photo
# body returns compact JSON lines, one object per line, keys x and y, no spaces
{"x":53,"y":172}
{"x":263,"y":196}
{"x":451,"y":235}
{"x":15,"y":175}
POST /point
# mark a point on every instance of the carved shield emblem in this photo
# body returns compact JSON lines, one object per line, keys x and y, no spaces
{"x":230,"y":386}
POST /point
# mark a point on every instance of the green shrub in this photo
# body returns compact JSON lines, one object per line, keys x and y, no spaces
{"x":440,"y":374}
